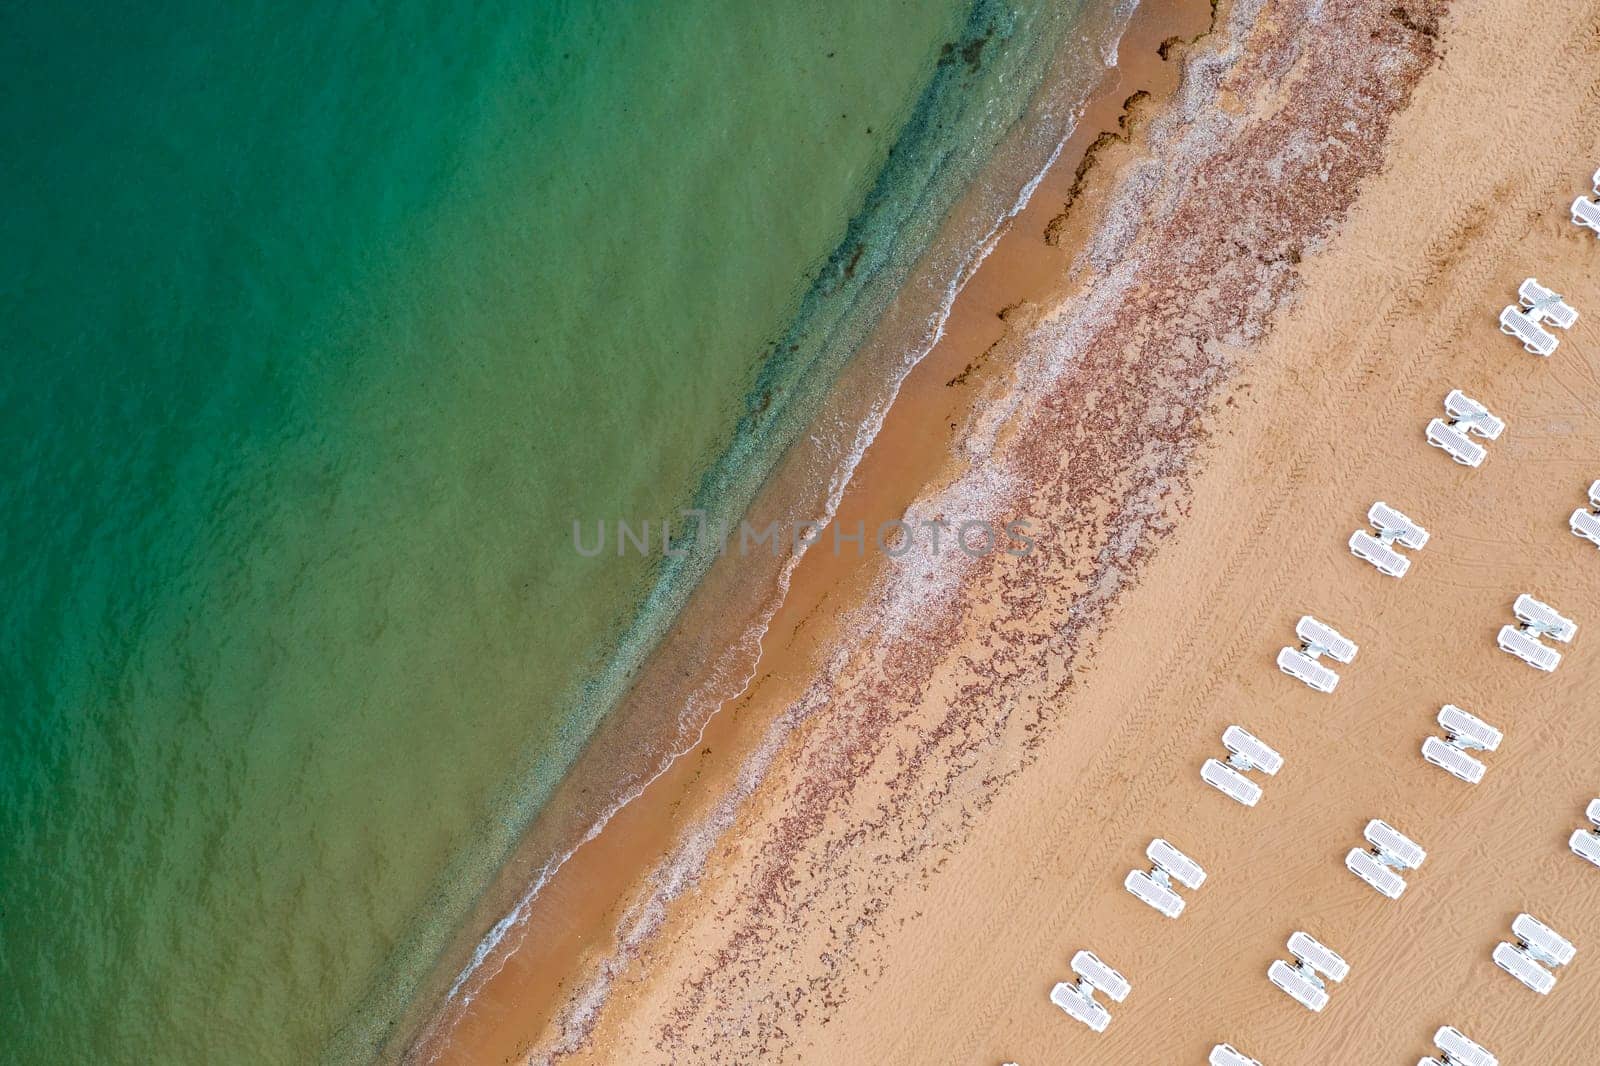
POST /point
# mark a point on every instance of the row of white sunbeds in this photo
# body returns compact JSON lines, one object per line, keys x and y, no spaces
{"x":1537,"y":950}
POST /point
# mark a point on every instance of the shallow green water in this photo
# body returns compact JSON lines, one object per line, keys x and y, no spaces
{"x":318,"y":328}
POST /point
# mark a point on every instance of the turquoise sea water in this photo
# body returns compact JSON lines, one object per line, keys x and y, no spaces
{"x":318,"y":327}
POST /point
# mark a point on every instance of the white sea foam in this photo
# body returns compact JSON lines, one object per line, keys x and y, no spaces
{"x":912,"y":591}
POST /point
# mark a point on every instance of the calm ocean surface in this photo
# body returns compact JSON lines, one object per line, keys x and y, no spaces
{"x":319,"y":325}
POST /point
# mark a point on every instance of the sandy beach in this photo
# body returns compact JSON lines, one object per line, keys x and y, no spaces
{"x":1206,"y":371}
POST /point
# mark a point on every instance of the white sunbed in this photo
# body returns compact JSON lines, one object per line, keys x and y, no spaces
{"x":1585,"y":212}
{"x":1154,"y":887}
{"x":1586,"y":843}
{"x":1305,"y":988}
{"x":1544,"y":618}
{"x":1515,"y":961}
{"x":1228,"y":1055}
{"x":1304,"y":982}
{"x":1586,"y":524}
{"x":1249,"y":753}
{"x":1148,"y":890}
{"x":1087,"y":965}
{"x":1175,"y":864}
{"x":1321,"y":638}
{"x":1230,"y":782}
{"x":1081,"y":1007}
{"x":1365,"y":546}
{"x":1470,"y":416}
{"x":1464,"y":732}
{"x":1309,"y":950}
{"x":1513,"y":323}
{"x":1542,"y":942}
{"x":1393,"y":851}
{"x":1468,"y":730}
{"x":1369,"y":869}
{"x":1546,"y":305}
{"x":1453,"y":761}
{"x":1078,"y":999}
{"x":1394,"y":847}
{"x":1460,"y":1051}
{"x":1302,"y":667}
{"x":1537,"y":655}
{"x":1395,"y":526}
{"x":1455,"y":443}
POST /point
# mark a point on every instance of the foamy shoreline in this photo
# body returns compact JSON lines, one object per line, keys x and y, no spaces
{"x":736,"y":669}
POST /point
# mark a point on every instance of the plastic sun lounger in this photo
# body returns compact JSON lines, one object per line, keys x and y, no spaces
{"x":1321,"y":637}
{"x":1078,"y":999}
{"x":1245,"y":746}
{"x":1594,"y":494}
{"x":1168,"y":865}
{"x":1087,"y":965}
{"x":1586,"y":843}
{"x":1246,"y":753}
{"x":1302,"y":981}
{"x":1546,"y":304}
{"x":1585,"y":212}
{"x":1302,"y":667}
{"x":1365,"y":546}
{"x":1542,"y":942}
{"x":1586,"y":846}
{"x":1455,"y":443}
{"x":1175,"y":863}
{"x":1291,"y":979}
{"x":1586,"y":524}
{"x":1472,"y":416}
{"x":1545,"y":618}
{"x":1516,"y":642}
{"x":1453,"y":761}
{"x":1365,"y":866}
{"x":1228,"y":1055}
{"x":1394,"y":524}
{"x":1230,"y":782}
{"x":1469,"y":730}
{"x":1513,"y":323}
{"x":1465,"y":732}
{"x":1150,"y":891}
{"x":1309,"y":950}
{"x":1395,"y":846}
{"x":1515,"y":962}
{"x":1460,"y":1051}
{"x":1080,"y":1007}
{"x":1394,"y":852}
